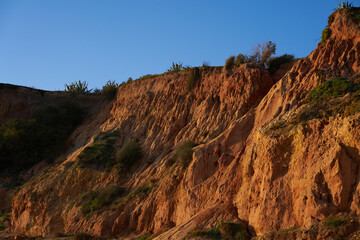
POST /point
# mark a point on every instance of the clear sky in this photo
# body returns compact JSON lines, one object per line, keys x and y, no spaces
{"x":47,"y":43}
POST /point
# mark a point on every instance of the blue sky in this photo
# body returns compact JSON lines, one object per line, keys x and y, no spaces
{"x":48,"y":43}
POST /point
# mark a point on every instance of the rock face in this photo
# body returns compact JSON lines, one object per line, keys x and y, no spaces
{"x":247,"y":168}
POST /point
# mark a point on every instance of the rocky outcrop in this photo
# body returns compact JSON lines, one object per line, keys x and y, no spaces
{"x":254,"y":164}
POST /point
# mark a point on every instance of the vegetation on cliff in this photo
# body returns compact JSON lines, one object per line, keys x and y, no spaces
{"x":23,"y":143}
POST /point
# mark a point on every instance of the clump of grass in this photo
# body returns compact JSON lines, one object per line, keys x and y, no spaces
{"x":183,"y":154}
{"x":101,"y":152}
{"x":344,"y":5}
{"x":286,"y":230}
{"x":98,"y":153}
{"x":176,"y":67}
{"x":147,"y":76}
{"x":193,"y":78}
{"x":325,"y":34}
{"x":109,"y":90}
{"x":324,"y":100}
{"x":95,"y":200}
{"x":129,"y":154}
{"x":333,"y":88}
{"x":5,"y":218}
{"x":334,"y":222}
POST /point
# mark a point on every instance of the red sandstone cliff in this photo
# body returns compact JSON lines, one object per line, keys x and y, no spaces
{"x":244,"y":169}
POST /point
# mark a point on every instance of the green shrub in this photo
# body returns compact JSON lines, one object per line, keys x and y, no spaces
{"x":333,"y":88}
{"x":109,"y":90}
{"x":193,"y":78}
{"x":274,"y":63}
{"x":101,"y":152}
{"x":229,"y":63}
{"x":128,"y":155}
{"x":325,"y":34}
{"x":334,"y":222}
{"x":184,"y":152}
{"x":23,"y":143}
{"x":78,"y":87}
{"x":176,"y":67}
{"x":95,"y":200}
{"x":241,"y":59}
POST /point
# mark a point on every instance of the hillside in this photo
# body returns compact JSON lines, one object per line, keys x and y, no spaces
{"x":248,"y":151}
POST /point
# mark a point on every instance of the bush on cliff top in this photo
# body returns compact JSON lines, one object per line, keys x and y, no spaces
{"x":176,"y":67}
{"x":109,"y":90}
{"x":78,"y":87}
{"x":274,"y":63}
{"x":260,"y":55}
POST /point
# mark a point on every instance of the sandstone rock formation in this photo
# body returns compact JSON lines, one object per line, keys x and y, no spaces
{"x":255,"y":164}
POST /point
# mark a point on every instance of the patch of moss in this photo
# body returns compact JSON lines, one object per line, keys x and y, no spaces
{"x":334,"y":222}
{"x":326,"y":100}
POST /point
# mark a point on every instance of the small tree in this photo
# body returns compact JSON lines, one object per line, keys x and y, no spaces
{"x":78,"y":87}
{"x":262,"y":52}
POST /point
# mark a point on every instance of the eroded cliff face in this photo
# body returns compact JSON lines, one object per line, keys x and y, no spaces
{"x":255,"y":164}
